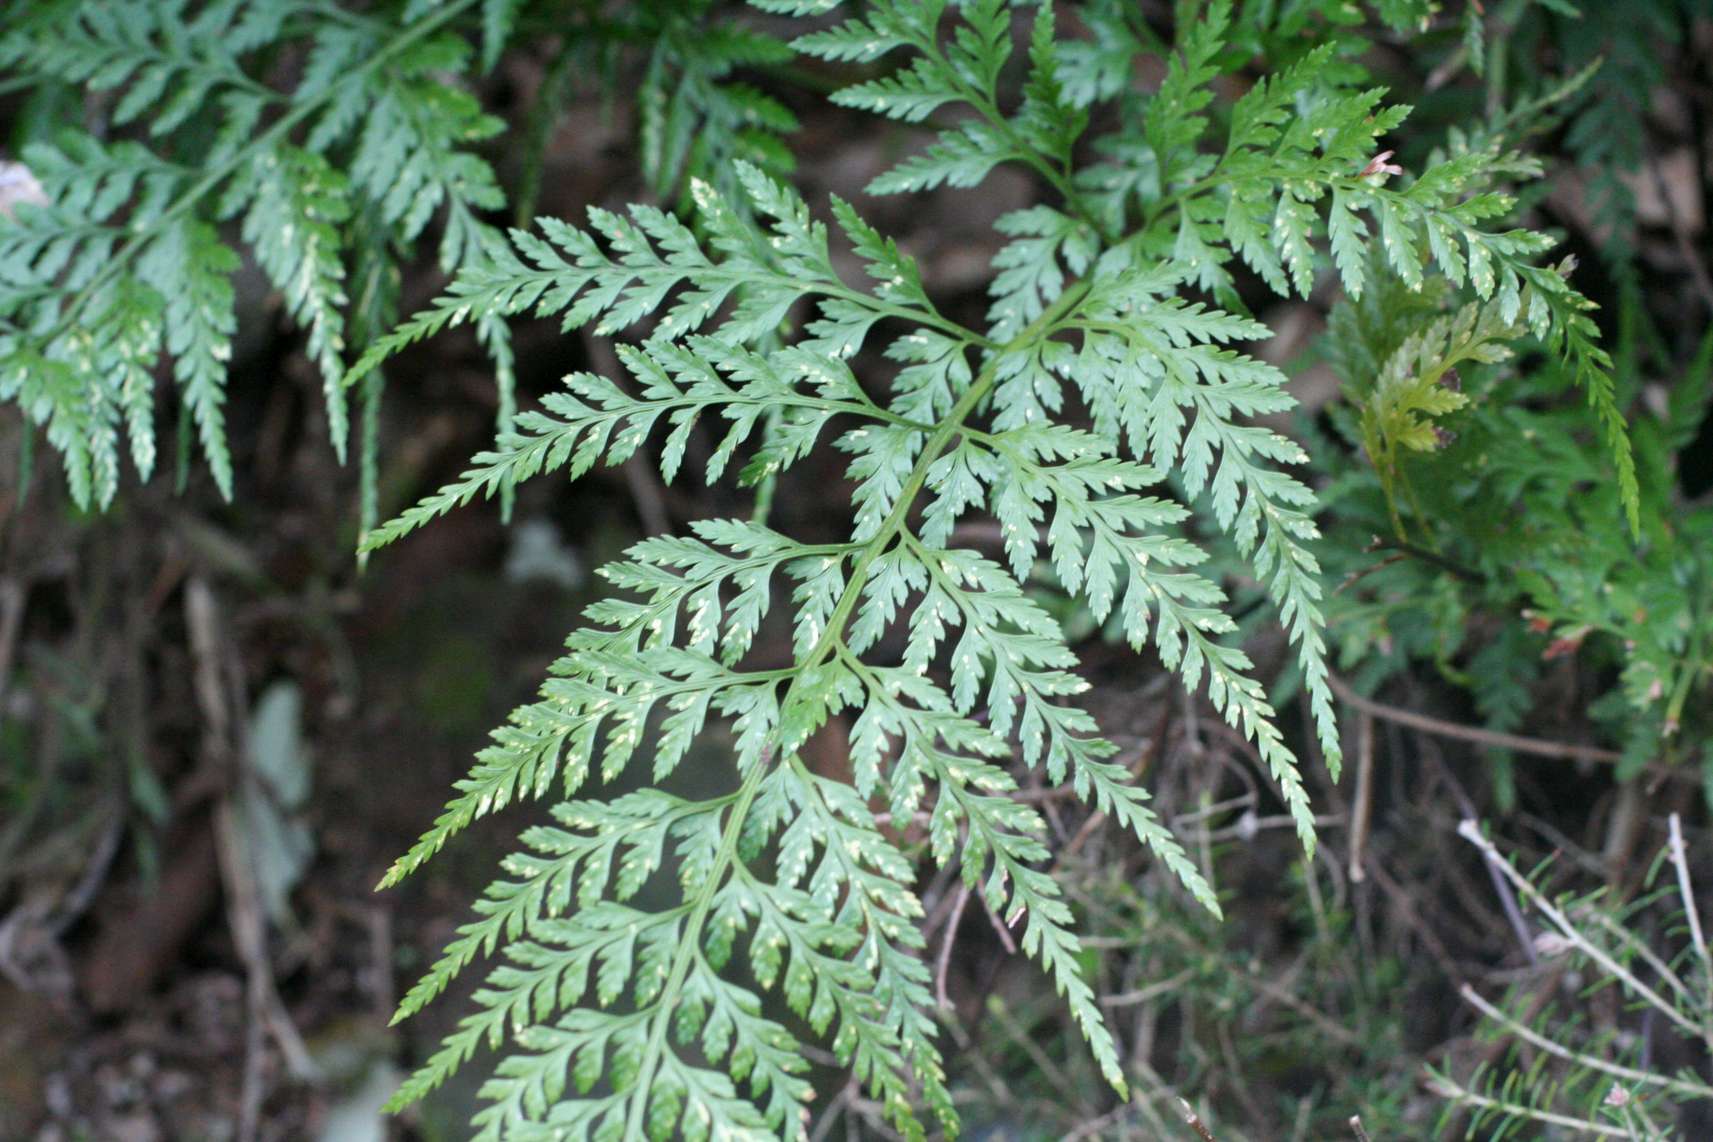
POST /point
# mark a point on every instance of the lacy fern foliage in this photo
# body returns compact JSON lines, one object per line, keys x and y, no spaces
{"x":1102,"y":416}
{"x":129,"y":259}
{"x":324,"y":142}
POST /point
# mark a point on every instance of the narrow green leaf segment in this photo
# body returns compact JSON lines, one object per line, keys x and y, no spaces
{"x":663,"y":952}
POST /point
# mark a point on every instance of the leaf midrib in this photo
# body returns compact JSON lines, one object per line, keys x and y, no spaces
{"x":689,"y":946}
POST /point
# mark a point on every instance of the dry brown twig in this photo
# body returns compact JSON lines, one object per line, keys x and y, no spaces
{"x":1363,"y":798}
{"x":1470,"y":830}
{"x":1680,"y":863}
{"x":13,"y":593}
{"x":948,"y":937}
{"x":215,"y":693}
{"x":1501,"y":888}
{"x":1538,"y":747}
{"x":1193,"y":1120}
{"x":999,"y":927}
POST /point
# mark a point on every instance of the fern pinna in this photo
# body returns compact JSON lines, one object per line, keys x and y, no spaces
{"x":1103,"y":383}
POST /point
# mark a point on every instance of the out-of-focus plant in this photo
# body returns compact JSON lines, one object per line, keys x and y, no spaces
{"x":1564,"y":1071}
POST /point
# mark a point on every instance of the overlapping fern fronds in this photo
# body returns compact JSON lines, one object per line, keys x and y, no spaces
{"x":640,"y":934}
{"x":690,"y":64}
{"x":130,"y":260}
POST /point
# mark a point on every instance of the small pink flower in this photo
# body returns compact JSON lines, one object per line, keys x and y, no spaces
{"x":1379,"y":166}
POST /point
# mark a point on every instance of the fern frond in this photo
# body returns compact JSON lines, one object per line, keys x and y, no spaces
{"x":191,"y":268}
{"x":1419,"y":383}
{"x":127,"y":239}
{"x":963,"y":69}
{"x":597,"y":708}
{"x":635,"y":941}
{"x":651,"y":256}
{"x":694,"y":116}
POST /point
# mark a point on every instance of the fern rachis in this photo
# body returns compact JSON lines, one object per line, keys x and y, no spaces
{"x":1098,"y":377}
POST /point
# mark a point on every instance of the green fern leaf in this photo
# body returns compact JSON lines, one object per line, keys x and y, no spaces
{"x":634,"y":944}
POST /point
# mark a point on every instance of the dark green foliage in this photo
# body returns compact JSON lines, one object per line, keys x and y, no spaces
{"x":1498,"y":517}
{"x":1503,"y":516}
{"x":1627,"y":52}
